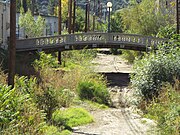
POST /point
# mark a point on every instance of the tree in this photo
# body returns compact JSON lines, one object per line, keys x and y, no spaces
{"x":116,"y":22}
{"x":144,"y":18}
{"x":32,"y":27}
{"x":24,"y":3}
{"x":64,"y":10}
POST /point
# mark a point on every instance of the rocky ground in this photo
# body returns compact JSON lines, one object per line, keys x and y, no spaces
{"x":121,"y":119}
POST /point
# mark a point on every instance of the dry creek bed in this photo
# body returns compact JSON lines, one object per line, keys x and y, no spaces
{"x":119,"y":120}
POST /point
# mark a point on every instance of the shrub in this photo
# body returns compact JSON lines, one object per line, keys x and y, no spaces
{"x":94,"y":91}
{"x":50,"y":99}
{"x":155,"y":68}
{"x":53,"y":130}
{"x":165,"y":109}
{"x":130,"y":55}
{"x":18,"y":111}
{"x":47,"y":101}
{"x":166,"y":32}
{"x":45,"y":60}
{"x":71,"y":117}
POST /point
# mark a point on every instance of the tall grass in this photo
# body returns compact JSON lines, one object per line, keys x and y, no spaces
{"x":3,"y":77}
{"x":165,"y":109}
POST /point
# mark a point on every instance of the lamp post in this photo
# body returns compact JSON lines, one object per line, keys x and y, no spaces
{"x":109,"y":8}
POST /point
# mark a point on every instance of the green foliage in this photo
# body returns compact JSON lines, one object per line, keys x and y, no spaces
{"x":116,"y":22}
{"x":165,"y":109}
{"x":8,"y":105}
{"x":53,"y":130}
{"x":71,"y":117}
{"x":95,"y":105}
{"x":50,"y":99}
{"x":47,"y":101}
{"x":50,"y":130}
{"x":94,"y":91}
{"x":144,"y":18}
{"x":18,"y":111}
{"x":166,"y":32}
{"x":78,"y":57}
{"x":45,"y":61}
{"x":131,"y":55}
{"x":33,"y":28}
{"x":80,"y":18}
{"x":155,"y":68}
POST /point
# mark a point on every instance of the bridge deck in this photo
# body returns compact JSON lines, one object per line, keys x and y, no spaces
{"x":88,"y":40}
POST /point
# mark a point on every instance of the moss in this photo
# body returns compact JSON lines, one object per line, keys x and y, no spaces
{"x":71,"y":117}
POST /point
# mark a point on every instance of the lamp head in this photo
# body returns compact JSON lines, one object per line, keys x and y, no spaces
{"x":109,"y":4}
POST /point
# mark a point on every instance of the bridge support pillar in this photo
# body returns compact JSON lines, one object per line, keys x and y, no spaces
{"x":59,"y":58}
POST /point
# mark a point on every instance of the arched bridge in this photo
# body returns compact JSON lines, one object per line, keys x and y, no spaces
{"x":89,"y":41}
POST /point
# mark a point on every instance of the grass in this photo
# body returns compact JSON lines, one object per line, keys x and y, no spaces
{"x":72,"y":117}
{"x":53,"y":130}
{"x":96,"y":105}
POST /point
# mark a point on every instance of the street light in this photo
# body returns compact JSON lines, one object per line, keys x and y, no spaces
{"x":109,"y":9}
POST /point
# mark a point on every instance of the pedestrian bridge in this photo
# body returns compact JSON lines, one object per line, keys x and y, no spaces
{"x":88,"y":41}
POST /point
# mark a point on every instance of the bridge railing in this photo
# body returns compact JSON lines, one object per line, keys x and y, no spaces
{"x":88,"y":38}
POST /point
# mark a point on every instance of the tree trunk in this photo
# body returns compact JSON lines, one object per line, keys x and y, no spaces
{"x":25,"y":6}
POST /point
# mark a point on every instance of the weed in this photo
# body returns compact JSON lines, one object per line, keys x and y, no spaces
{"x":130,"y":55}
{"x":18,"y":111}
{"x":93,"y":91}
{"x":165,"y":109}
{"x":3,"y":77}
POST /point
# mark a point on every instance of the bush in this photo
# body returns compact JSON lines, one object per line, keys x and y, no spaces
{"x":166,"y":32}
{"x":18,"y":111}
{"x":45,"y":60}
{"x":71,"y":117}
{"x":53,"y":130}
{"x":155,"y":68}
{"x":50,"y":99}
{"x":94,"y":91}
{"x":165,"y":109}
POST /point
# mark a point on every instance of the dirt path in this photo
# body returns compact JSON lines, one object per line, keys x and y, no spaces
{"x":115,"y":122}
{"x":119,"y":120}
{"x":111,"y":64}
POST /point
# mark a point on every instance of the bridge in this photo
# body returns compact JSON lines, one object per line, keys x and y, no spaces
{"x":89,"y":41}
